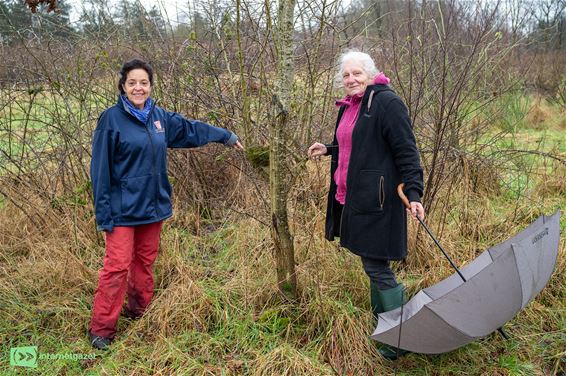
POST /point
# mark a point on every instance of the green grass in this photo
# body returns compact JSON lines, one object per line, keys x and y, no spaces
{"x":32,"y":126}
{"x":216,"y":310}
{"x":532,"y":144}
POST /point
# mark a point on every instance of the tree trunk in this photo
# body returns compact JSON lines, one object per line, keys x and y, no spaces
{"x":278,"y":184}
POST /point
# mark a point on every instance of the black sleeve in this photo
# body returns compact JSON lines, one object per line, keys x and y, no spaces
{"x":329,"y":148}
{"x":398,"y":132}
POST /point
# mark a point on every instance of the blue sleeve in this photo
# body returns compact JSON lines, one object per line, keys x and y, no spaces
{"x":103,"y":142}
{"x":184,"y":133}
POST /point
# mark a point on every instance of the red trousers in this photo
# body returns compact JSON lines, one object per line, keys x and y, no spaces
{"x":130,"y":253}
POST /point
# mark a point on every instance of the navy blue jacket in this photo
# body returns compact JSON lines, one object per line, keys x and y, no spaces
{"x":129,"y":163}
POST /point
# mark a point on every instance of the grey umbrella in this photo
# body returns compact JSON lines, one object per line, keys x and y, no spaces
{"x":479,"y":298}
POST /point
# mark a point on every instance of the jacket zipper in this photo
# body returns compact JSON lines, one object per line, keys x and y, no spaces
{"x":152,"y":159}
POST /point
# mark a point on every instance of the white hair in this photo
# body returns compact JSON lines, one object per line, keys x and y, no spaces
{"x":368,"y":65}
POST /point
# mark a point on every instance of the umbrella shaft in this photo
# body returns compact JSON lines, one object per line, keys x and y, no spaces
{"x":503,"y":333}
{"x":442,"y":249}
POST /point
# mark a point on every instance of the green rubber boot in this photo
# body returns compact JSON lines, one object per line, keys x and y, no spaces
{"x":388,"y":300}
{"x":376,"y":306}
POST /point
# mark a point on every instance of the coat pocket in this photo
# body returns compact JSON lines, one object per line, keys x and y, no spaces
{"x":137,"y":197}
{"x":368,"y":192}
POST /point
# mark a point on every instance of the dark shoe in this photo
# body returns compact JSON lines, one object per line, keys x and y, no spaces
{"x":131,"y":315}
{"x":98,"y":342}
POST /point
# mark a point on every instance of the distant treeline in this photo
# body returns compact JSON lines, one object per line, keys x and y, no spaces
{"x":540,"y":22}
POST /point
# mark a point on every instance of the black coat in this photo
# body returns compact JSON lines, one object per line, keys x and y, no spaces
{"x":373,"y":222}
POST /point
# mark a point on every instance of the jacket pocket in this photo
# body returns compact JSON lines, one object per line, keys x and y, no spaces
{"x":368,"y":192}
{"x":137,"y":197}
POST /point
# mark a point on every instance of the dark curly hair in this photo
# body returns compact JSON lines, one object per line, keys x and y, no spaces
{"x":131,"y":65}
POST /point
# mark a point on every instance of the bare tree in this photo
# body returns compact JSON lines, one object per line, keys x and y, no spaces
{"x":282,"y":238}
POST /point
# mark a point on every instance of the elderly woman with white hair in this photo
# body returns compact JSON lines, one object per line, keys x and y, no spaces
{"x":373,"y":151}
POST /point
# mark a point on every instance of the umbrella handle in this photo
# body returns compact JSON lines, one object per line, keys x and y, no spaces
{"x":402,"y":195}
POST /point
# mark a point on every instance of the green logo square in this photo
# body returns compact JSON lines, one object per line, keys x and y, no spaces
{"x":23,"y":356}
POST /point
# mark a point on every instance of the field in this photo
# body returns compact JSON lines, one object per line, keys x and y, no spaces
{"x":217,"y":310}
{"x":485,"y":88}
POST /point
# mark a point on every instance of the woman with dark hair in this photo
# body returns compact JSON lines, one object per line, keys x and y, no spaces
{"x":132,"y":194}
{"x":373,"y":151}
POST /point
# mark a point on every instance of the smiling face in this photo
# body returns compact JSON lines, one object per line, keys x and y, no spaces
{"x":137,"y":87}
{"x":354,"y":78}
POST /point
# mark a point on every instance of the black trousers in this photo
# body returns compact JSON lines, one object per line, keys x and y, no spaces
{"x":379,"y":273}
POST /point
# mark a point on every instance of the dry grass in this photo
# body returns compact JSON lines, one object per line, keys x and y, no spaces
{"x":285,"y":360}
{"x":539,"y":113}
{"x":217,"y":311}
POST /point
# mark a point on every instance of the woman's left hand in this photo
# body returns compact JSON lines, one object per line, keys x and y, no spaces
{"x":416,"y":209}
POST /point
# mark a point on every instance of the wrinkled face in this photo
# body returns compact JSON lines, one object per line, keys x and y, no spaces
{"x":354,"y":78}
{"x":137,"y":87}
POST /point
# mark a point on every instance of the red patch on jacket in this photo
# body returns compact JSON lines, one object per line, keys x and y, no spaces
{"x":158,"y":126}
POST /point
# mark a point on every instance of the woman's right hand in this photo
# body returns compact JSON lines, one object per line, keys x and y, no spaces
{"x":316,"y":150}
